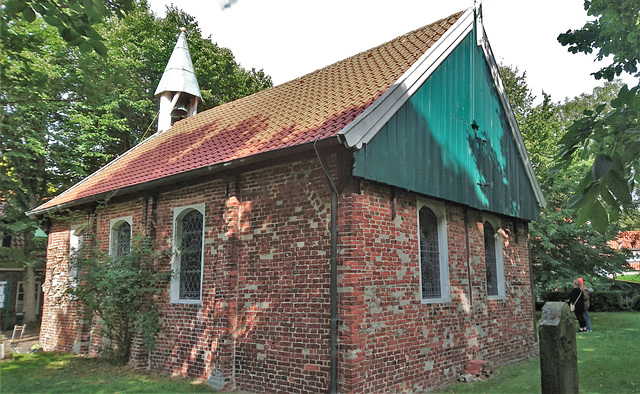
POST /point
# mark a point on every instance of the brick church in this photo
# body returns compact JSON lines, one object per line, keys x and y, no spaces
{"x":363,"y":228}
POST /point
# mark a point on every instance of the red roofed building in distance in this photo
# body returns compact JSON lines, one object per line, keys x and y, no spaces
{"x":629,"y":240}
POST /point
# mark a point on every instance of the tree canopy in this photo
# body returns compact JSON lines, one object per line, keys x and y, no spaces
{"x":75,"y":20}
{"x":562,"y":247}
{"x":65,"y":113}
{"x":67,"y":110}
{"x":609,"y":133}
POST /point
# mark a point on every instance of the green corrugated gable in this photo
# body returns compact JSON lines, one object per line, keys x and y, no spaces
{"x":452,"y":140}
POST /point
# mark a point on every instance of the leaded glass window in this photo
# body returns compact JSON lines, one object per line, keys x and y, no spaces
{"x":490,"y":259}
{"x":429,"y":254}
{"x":190,"y":254}
{"x":122,"y":239}
{"x":76,"y":243}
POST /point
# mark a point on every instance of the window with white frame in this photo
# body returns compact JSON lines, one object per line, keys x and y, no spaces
{"x":188,"y":243}
{"x":76,"y":242}
{"x":434,"y":262}
{"x":20,"y":296}
{"x":120,"y":236}
{"x":493,"y":260}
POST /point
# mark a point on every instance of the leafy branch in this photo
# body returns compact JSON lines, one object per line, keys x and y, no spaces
{"x":74,"y":19}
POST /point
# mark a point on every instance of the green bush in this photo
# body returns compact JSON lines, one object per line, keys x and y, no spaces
{"x":622,"y":297}
{"x":121,"y":291}
{"x":635,"y":304}
{"x":608,"y":301}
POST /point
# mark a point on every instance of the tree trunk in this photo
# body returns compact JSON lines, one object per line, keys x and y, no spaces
{"x":29,"y":282}
{"x":30,"y":295}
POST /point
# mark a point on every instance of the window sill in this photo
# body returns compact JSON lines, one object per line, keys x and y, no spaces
{"x":186,"y":302}
{"x":435,"y":301}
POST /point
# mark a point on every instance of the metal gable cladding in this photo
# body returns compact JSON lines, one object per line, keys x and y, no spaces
{"x":450,"y":133}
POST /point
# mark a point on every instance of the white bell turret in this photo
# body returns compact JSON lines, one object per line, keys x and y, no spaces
{"x":178,"y":89}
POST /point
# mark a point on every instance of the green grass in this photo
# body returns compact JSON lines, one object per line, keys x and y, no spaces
{"x":67,"y":373}
{"x":629,"y":278}
{"x":608,"y":361}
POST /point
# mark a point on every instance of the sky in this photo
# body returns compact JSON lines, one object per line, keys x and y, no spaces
{"x":291,"y":38}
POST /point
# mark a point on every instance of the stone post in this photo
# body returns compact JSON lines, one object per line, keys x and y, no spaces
{"x":558,"y":352}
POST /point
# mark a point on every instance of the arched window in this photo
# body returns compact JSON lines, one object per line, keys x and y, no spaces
{"x":493,"y":261}
{"x":120,"y":243}
{"x":490,"y":259}
{"x":188,"y":246}
{"x":76,"y":243}
{"x":434,"y":270}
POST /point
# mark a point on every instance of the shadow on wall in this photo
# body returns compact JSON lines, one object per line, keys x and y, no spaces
{"x":251,"y":275}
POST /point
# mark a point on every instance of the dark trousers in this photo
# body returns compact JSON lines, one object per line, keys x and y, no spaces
{"x":580,"y":317}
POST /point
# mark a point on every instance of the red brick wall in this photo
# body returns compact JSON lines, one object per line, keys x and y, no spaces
{"x":263,"y":323}
{"x":390,"y":340}
{"x":264,"y":317}
{"x":61,"y":327}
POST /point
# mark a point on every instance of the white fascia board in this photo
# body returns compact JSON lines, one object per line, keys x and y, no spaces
{"x":511,"y":118}
{"x":362,"y":129}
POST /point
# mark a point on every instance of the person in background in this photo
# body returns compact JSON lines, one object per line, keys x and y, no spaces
{"x":575,"y":299}
{"x":585,"y":297}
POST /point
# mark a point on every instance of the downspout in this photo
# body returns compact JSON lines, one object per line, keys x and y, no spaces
{"x":333,"y":292}
{"x":533,"y":293}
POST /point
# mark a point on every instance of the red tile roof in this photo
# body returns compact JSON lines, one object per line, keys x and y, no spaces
{"x":315,"y":106}
{"x":626,"y":240}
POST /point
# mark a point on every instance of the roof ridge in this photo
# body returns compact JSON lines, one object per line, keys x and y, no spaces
{"x":342,"y":61}
{"x":405,"y":35}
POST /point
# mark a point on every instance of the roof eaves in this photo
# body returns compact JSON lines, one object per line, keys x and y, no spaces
{"x":362,"y":129}
{"x":182,"y":176}
{"x":40,"y":208}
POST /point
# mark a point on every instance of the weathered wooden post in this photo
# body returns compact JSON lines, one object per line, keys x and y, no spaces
{"x":558,"y":352}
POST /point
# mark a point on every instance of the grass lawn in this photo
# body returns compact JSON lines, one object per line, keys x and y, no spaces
{"x":67,"y":373}
{"x":608,"y":361}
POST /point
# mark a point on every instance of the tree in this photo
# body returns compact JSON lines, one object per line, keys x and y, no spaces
{"x":562,"y":248}
{"x":120,"y":291}
{"x":31,"y":100}
{"x":609,"y":134}
{"x":74,"y":19}
{"x":613,"y":33}
{"x":114,"y":107}
{"x":65,"y":113}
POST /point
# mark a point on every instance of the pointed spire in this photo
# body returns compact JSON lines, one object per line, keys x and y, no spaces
{"x":178,"y":87}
